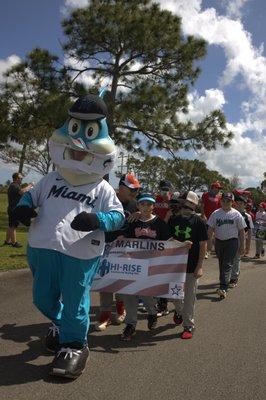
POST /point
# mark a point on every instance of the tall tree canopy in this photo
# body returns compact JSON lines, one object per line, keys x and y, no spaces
{"x":184,"y":174}
{"x":151,"y":66}
{"x":35,"y":97}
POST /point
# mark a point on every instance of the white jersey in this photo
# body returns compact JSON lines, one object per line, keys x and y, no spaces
{"x":226,"y":224}
{"x":58,"y":203}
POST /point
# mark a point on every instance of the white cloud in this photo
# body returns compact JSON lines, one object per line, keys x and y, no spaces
{"x":76,"y":3}
{"x":200,"y":106}
{"x":7,"y":63}
{"x":234,"y":7}
{"x":246,"y":156}
{"x":69,"y":5}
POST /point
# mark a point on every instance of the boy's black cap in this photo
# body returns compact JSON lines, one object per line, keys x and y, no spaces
{"x":165,"y":185}
{"x":89,"y":107}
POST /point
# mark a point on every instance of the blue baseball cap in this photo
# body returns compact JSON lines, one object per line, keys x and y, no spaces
{"x":145,"y":197}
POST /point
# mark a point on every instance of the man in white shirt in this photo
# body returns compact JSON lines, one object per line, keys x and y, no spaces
{"x":227,"y":224}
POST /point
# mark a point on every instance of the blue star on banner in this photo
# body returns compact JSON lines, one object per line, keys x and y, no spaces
{"x":175,"y":290}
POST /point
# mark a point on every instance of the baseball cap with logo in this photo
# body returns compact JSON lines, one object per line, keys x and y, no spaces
{"x":89,"y":107}
{"x":228,"y":196}
{"x":145,"y":197}
{"x":130,"y":181}
{"x":190,"y":196}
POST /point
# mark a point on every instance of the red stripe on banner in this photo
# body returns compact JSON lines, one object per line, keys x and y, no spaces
{"x":116,"y":286}
{"x":155,"y":253}
{"x":156,"y":290}
{"x":167,"y":269}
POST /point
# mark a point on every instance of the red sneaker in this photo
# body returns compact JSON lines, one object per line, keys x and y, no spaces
{"x":104,"y":321}
{"x":120,"y":312}
{"x":187,"y":333}
{"x":177,"y":318}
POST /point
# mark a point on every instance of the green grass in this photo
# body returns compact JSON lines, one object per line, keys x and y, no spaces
{"x":11,"y":258}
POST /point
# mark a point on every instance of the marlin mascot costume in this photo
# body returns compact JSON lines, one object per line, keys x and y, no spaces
{"x":74,"y":207}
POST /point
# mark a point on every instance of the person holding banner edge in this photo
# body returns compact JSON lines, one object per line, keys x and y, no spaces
{"x":188,"y":226}
{"x":151,"y":227}
{"x":127,"y":191}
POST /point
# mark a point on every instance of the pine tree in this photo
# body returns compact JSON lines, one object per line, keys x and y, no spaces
{"x":151,"y":67}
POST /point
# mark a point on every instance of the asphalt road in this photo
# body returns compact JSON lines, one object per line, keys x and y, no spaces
{"x":224,"y":360}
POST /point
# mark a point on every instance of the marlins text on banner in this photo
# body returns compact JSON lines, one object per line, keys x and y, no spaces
{"x":143,"y":268}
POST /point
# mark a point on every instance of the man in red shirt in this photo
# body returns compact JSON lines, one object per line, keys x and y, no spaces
{"x":210,"y":202}
{"x":161,"y":209}
{"x":162,"y":199}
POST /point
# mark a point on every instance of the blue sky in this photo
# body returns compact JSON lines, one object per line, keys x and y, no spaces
{"x":233,"y":74}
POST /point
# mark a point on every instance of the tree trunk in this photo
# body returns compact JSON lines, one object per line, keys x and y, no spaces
{"x":22,"y":158}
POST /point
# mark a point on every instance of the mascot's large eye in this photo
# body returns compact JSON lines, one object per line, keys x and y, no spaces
{"x":92,"y":130}
{"x":74,"y":126}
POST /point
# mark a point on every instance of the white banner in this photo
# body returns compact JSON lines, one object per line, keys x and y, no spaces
{"x":144,"y":268}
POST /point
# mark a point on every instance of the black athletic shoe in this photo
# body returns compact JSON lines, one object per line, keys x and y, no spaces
{"x":177,"y":318}
{"x":16,"y":245}
{"x":128,"y":333}
{"x":152,"y":321}
{"x":52,"y":339}
{"x":233,"y":283}
{"x":162,"y":309}
{"x":69,"y":363}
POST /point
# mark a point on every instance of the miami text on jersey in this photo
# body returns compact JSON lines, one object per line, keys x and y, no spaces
{"x":63,"y":191}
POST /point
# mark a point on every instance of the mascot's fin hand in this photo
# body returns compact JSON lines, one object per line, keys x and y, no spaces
{"x":85,"y":222}
{"x":24,"y":214}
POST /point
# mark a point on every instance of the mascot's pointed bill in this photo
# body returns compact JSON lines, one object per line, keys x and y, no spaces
{"x":68,"y":212}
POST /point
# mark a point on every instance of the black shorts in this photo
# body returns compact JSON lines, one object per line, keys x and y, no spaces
{"x":12,"y":223}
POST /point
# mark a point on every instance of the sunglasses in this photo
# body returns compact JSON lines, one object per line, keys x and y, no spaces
{"x":188,"y":208}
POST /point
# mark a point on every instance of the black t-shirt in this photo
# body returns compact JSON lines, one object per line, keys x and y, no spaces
{"x":13,"y":194}
{"x":155,"y":229}
{"x":129,"y":208}
{"x":192,"y":229}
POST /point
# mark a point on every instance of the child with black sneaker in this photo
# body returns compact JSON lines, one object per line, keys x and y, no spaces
{"x":151,"y":227}
{"x":188,"y":226}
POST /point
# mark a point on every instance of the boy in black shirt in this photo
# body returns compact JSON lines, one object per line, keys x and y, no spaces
{"x":188,"y":226}
{"x":151,"y":227}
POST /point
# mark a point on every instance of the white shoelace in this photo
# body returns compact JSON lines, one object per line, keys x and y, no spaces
{"x":69,"y":352}
{"x":54,"y":329}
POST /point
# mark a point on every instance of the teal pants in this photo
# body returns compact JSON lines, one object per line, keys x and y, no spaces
{"x":61,"y":286}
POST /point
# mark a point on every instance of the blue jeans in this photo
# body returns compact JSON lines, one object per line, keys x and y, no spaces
{"x":61,"y":287}
{"x":226,"y":251}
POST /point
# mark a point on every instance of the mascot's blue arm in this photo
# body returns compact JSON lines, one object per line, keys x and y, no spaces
{"x":26,"y":200}
{"x":110,"y":221}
